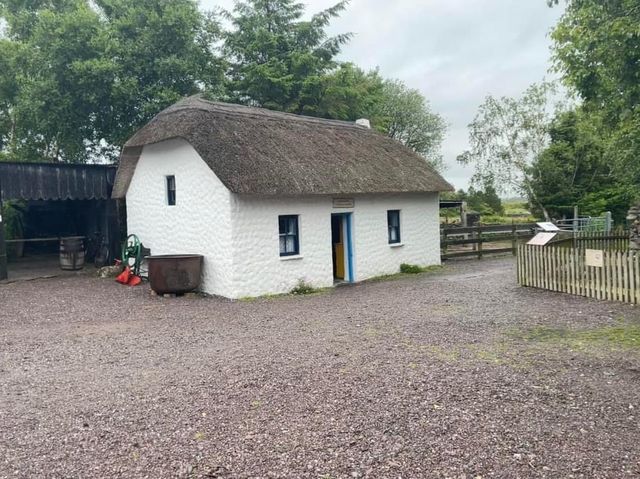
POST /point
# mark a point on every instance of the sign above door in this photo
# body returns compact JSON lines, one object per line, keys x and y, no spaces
{"x":343,"y":202}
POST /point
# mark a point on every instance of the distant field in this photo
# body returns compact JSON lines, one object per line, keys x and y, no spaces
{"x":515,"y":210}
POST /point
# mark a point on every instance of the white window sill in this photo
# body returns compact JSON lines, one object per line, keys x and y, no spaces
{"x":396,"y":245}
{"x":291,"y":258}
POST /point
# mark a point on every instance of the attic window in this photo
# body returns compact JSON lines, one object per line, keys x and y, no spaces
{"x":171,"y":190}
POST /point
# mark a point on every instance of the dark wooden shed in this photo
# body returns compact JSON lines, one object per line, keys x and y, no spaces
{"x":84,"y":188}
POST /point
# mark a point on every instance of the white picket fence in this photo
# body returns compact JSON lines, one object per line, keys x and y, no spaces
{"x":564,"y":270}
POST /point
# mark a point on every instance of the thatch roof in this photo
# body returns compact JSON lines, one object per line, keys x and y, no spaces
{"x":257,"y":151}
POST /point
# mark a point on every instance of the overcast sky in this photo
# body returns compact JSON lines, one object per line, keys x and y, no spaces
{"x":454,"y":51}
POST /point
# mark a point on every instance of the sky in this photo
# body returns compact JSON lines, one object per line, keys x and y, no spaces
{"x":456,"y":52}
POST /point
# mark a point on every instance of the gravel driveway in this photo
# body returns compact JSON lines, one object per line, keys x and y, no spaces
{"x":438,"y":375}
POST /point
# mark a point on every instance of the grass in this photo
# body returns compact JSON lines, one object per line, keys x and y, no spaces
{"x":412,"y":268}
{"x":406,"y":273}
{"x":305,"y":289}
{"x":301,"y":289}
{"x":515,"y":210}
{"x":623,"y":336}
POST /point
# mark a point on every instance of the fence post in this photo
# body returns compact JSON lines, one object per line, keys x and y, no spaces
{"x":514,"y":241}
{"x":3,"y":245}
{"x":479,"y":242}
{"x":607,"y":222}
{"x":443,"y":245}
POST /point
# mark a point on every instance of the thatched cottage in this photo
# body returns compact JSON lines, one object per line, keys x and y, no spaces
{"x":271,"y":199}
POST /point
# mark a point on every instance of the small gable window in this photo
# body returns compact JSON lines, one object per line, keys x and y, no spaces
{"x":171,"y":190}
{"x":289,"y":238}
{"x":393,"y":223}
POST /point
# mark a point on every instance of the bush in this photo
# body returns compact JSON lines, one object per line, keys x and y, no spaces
{"x":13,"y":217}
{"x":304,"y":288}
{"x":13,"y":214}
{"x":411,"y":269}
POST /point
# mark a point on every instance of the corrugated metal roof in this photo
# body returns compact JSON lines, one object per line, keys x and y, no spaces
{"x":55,"y":181}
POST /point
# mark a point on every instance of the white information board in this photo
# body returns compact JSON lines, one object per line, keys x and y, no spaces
{"x":547,"y":226}
{"x":542,"y":239}
{"x":594,"y":257}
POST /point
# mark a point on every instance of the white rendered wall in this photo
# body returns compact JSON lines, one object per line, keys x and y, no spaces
{"x":199,"y":223}
{"x":258,"y":268}
{"x":419,"y":233}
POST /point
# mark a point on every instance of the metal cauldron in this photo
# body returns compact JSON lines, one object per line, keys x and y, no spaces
{"x":175,"y":273}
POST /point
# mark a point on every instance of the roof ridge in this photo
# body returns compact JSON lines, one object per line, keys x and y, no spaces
{"x":257,"y":112}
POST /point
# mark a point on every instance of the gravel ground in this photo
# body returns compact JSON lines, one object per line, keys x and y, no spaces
{"x":416,"y":377}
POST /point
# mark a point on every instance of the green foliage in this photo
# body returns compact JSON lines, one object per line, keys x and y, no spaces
{"x":411,"y":268}
{"x":484,"y":201}
{"x":622,"y":336}
{"x":516,"y":207}
{"x":281,"y":62}
{"x":506,"y":137}
{"x":13,"y":213}
{"x":304,"y":288}
{"x":347,"y":93}
{"x":276,"y":58}
{"x":597,"y":51}
{"x":79,"y":77}
{"x":401,"y":113}
{"x":158,"y":52}
{"x":404,"y":114}
{"x":574,"y":170}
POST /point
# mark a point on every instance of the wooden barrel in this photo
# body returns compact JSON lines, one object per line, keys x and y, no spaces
{"x":71,"y":254}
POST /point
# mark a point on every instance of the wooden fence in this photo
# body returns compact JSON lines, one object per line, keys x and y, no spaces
{"x":482,"y":240}
{"x":616,"y":241}
{"x":562,"y":269}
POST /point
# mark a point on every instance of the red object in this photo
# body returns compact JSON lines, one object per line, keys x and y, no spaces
{"x":125,"y":276}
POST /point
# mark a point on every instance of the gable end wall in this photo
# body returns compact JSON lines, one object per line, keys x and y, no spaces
{"x":199,"y":223}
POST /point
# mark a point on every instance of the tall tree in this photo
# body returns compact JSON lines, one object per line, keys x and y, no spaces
{"x":574,"y":170}
{"x":82,"y":75}
{"x":596,"y":47}
{"x":506,"y":137}
{"x":160,"y":52}
{"x":277,"y":59}
{"x":346,"y":93}
{"x":405,"y":115}
{"x":49,"y":98}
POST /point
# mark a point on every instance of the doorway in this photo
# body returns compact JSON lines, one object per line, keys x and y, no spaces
{"x":342,"y":247}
